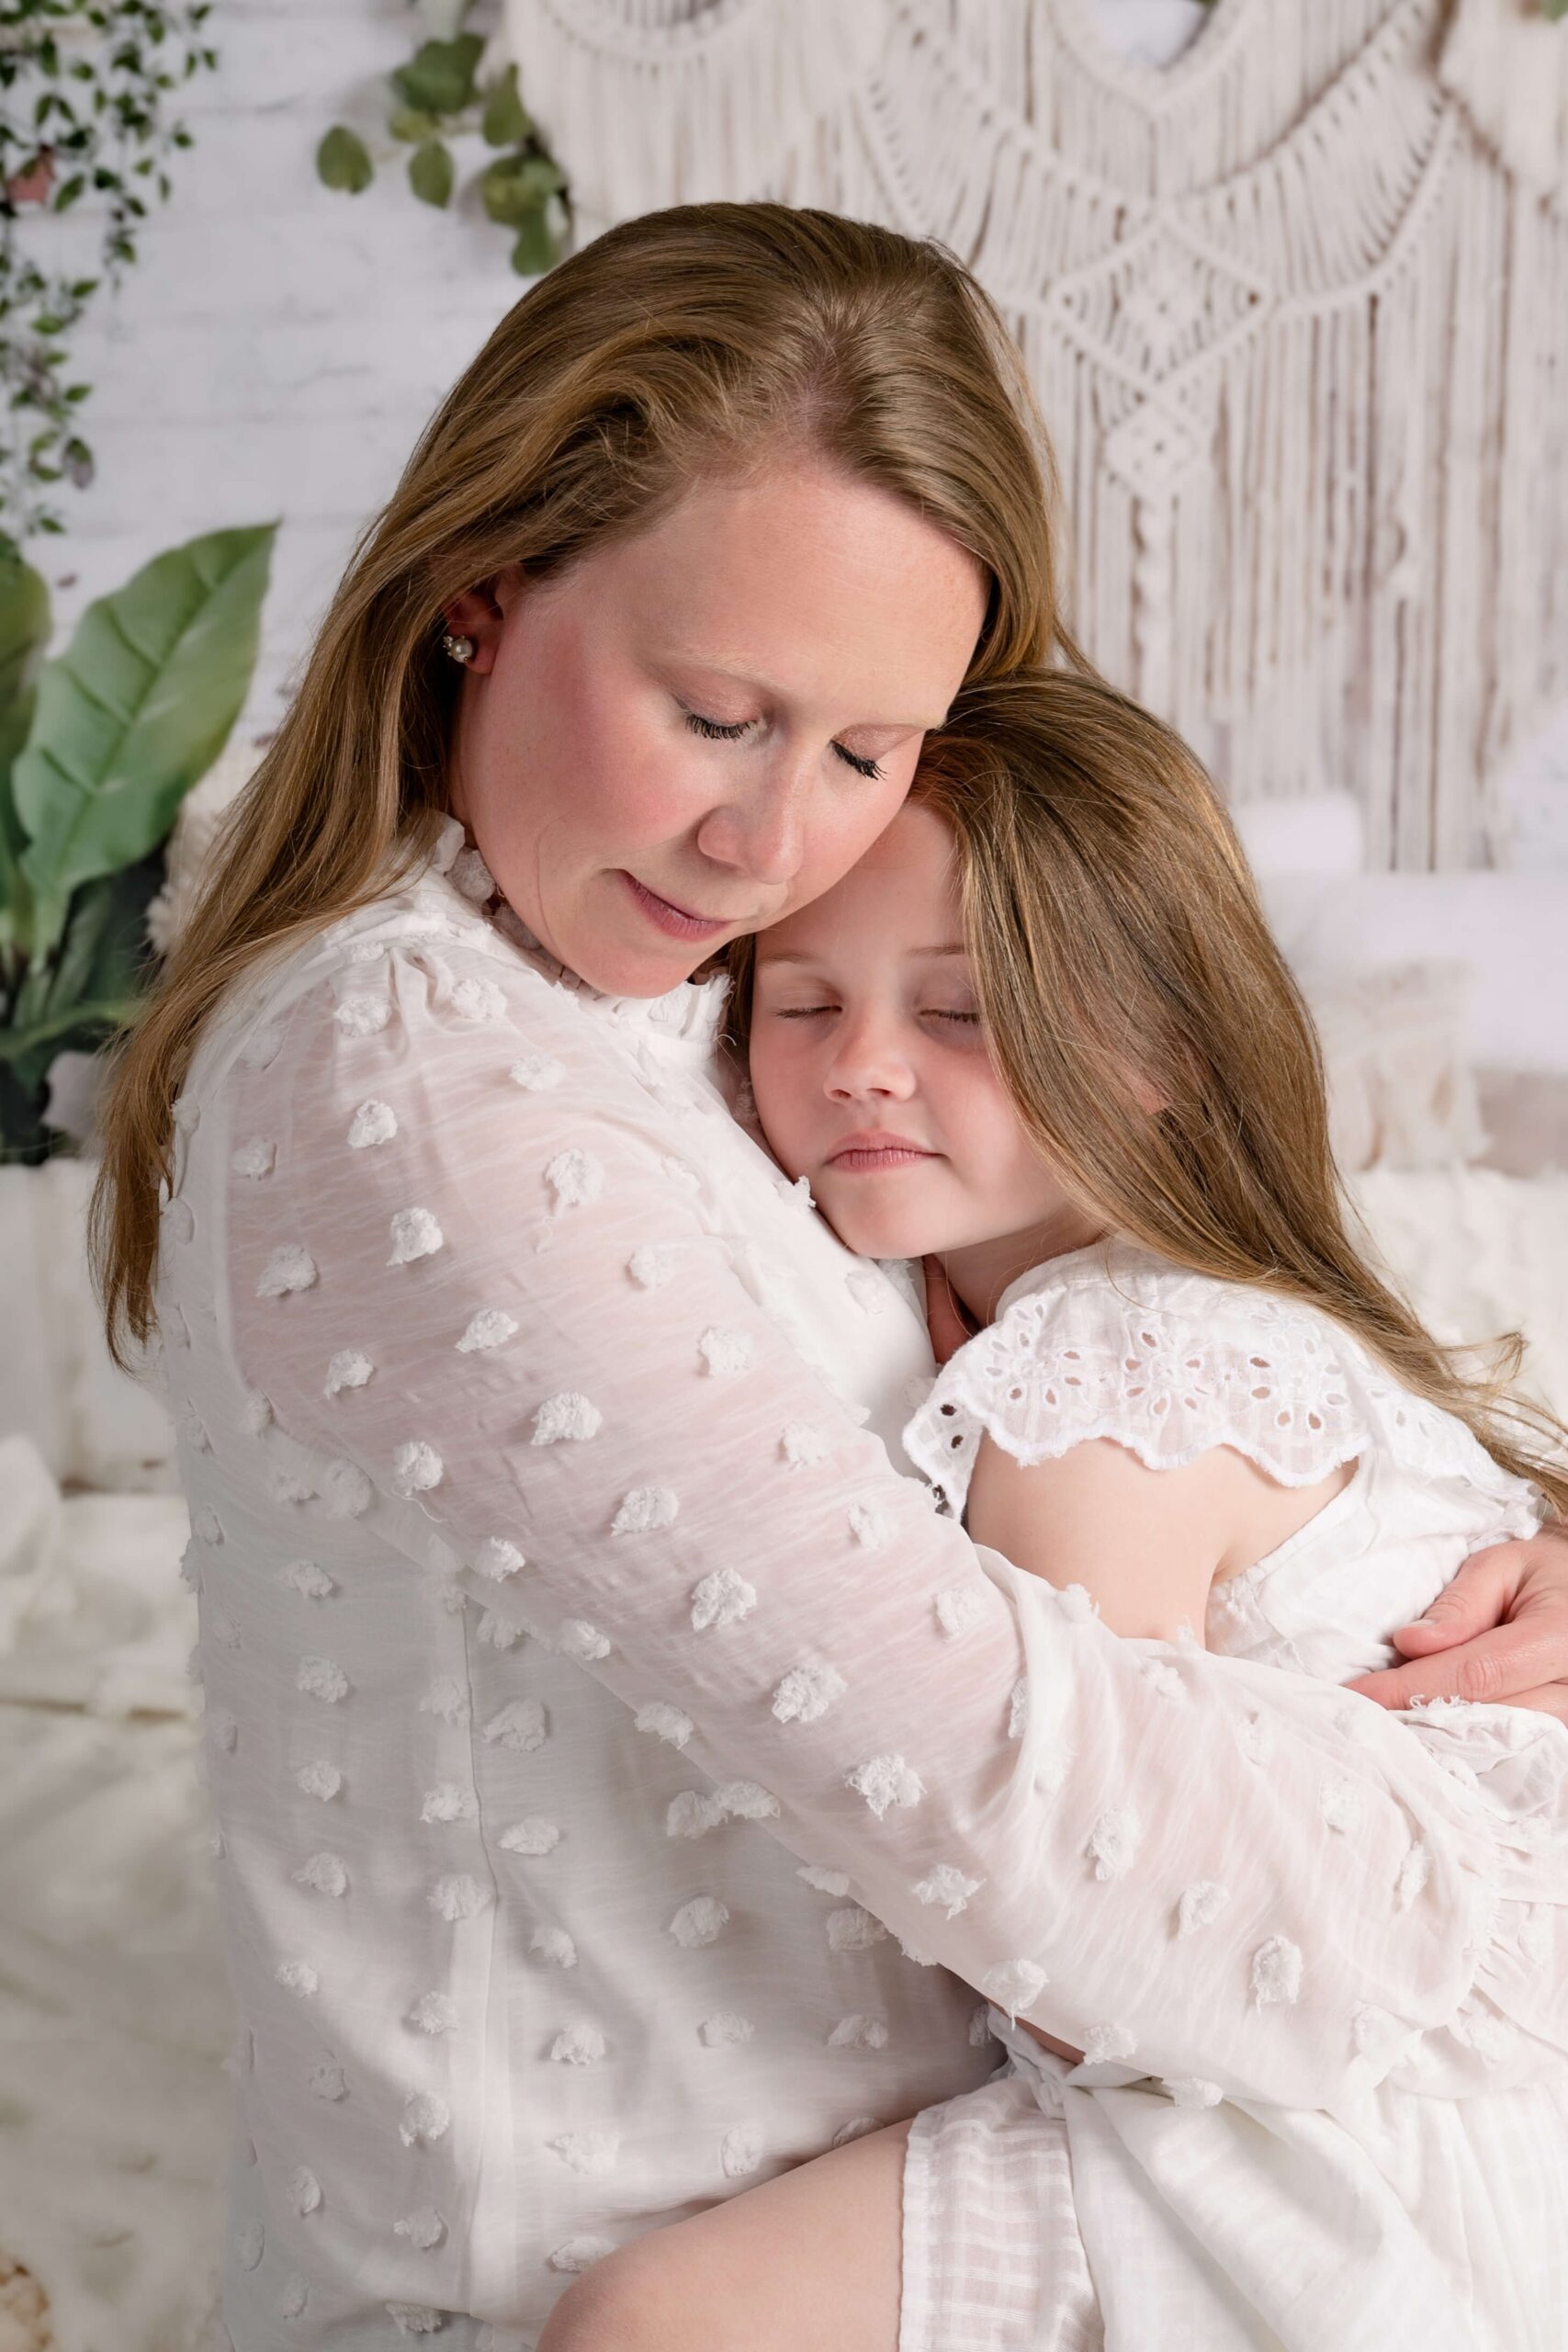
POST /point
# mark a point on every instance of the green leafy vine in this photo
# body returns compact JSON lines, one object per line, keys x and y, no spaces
{"x":435,"y":100}
{"x":85,"y":95}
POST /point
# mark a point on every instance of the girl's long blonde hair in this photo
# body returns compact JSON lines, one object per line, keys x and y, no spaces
{"x":705,"y":337}
{"x":1120,"y":949}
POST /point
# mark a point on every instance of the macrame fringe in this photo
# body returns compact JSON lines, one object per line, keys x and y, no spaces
{"x":1507,"y":65}
{"x":658,"y":102}
{"x":1298,"y":340}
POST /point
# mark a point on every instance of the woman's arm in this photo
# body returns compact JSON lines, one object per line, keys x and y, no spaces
{"x":589,"y":1419}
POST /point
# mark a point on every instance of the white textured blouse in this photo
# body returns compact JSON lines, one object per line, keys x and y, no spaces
{"x":588,"y":1696}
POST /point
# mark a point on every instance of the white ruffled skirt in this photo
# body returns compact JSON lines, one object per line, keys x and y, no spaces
{"x":1081,"y":2210}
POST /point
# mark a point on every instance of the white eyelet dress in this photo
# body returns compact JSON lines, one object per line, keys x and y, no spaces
{"x":1430,"y":2208}
{"x":609,"y":1748}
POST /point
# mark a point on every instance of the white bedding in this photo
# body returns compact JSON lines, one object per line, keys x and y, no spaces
{"x":114,"y":2016}
{"x":1480,"y":1253}
{"x":113,"y":2013}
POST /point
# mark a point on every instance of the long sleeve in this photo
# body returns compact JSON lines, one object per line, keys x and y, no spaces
{"x":469,"y":1270}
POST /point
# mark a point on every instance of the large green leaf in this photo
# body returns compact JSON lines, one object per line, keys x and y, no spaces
{"x":26,"y":1135}
{"x":24,"y":1141}
{"x":77,"y":1004}
{"x":24,"y":633}
{"x":134,"y":713}
{"x":104,"y":956}
{"x":80,"y":1028}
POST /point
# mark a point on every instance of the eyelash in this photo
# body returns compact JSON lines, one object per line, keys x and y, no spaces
{"x":716,"y":731}
{"x":810,"y":1012}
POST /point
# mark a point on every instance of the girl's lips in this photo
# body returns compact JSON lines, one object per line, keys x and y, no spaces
{"x":868,"y":1155}
{"x":673,"y":920}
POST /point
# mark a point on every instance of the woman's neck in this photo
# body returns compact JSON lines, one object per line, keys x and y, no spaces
{"x":981,"y":1271}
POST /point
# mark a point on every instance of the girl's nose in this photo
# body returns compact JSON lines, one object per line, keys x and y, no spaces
{"x":866,"y":1063}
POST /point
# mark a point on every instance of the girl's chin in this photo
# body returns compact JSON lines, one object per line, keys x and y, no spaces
{"x":873,"y":1237}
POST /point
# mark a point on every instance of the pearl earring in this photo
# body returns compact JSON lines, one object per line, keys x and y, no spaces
{"x":461,"y":649}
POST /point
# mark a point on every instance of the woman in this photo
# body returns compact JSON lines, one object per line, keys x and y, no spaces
{"x":570,"y":1739}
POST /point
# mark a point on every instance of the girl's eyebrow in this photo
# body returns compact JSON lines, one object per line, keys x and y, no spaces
{"x":797,"y":956}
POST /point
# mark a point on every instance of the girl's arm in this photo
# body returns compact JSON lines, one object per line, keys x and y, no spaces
{"x":576,"y":1407}
{"x":1146,"y":1544}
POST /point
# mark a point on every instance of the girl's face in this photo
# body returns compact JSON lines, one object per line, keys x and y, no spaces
{"x":698,"y":729}
{"x":872,"y":1080}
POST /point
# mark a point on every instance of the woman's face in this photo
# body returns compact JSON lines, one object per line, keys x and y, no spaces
{"x":872,"y":1080}
{"x":696,"y":730}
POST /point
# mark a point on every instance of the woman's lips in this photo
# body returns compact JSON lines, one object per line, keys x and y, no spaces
{"x":867,"y":1155}
{"x":676,"y":922}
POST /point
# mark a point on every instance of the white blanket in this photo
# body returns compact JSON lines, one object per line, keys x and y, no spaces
{"x":114,"y":2012}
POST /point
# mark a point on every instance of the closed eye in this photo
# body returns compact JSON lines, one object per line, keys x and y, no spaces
{"x":731,"y":731}
{"x":861,"y":766}
{"x":718,"y":731}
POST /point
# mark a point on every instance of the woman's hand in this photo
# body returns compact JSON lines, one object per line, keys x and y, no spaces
{"x":1499,"y":1632}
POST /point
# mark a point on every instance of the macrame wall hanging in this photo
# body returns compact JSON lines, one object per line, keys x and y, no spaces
{"x":1295,"y":307}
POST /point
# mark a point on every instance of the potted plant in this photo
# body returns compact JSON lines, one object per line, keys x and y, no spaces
{"x":98,"y":749}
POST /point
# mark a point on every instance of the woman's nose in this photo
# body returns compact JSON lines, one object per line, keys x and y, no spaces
{"x":763,"y":829}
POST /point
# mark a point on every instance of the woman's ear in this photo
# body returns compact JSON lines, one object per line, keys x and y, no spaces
{"x":480,"y":615}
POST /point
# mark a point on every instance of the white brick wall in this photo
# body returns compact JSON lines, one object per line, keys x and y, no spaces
{"x":278,"y":346}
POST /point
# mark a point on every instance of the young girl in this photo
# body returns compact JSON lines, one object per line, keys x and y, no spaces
{"x":1041,"y":1037}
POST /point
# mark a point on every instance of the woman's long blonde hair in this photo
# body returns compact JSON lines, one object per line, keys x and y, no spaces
{"x":705,"y":337}
{"x":1120,"y":950}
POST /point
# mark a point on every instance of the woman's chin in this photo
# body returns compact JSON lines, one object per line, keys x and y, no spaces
{"x":617,"y":969}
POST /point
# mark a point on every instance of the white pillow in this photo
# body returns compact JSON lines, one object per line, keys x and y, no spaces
{"x":91,"y":1426}
{"x":1316,"y":832}
{"x":1477,"y":1253}
{"x":1400,"y":1090}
